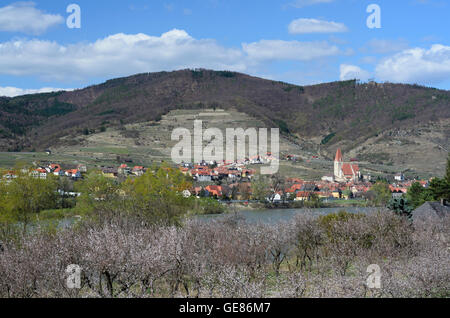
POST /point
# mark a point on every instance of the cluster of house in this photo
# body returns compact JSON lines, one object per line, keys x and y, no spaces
{"x":213,"y":171}
{"x":297,"y":190}
{"x":304,"y":190}
{"x":346,"y":182}
{"x":237,"y":191}
{"x":398,"y":188}
{"x":42,"y":172}
{"x":123,"y":170}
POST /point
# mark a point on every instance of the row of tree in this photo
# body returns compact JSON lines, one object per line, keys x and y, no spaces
{"x":155,"y":197}
{"x":308,"y":256}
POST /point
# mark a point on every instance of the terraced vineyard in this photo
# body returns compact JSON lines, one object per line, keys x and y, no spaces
{"x":150,"y":143}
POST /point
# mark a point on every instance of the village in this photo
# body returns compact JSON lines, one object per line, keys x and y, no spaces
{"x":233,"y":180}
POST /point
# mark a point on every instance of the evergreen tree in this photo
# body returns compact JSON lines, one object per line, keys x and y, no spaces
{"x":400,"y":206}
{"x":415,"y":194}
{"x":437,"y":190}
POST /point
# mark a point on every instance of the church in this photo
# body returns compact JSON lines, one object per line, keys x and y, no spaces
{"x":344,"y":171}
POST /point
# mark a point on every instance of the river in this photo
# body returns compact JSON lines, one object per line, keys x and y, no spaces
{"x":273,"y":216}
{"x":268,"y":216}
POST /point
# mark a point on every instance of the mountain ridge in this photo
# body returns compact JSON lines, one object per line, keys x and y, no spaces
{"x":338,"y":114}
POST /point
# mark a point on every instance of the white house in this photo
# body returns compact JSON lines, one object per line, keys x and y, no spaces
{"x":74,"y":173}
{"x":39,"y":174}
{"x":203,"y":176}
{"x":328,"y":178}
{"x":82,"y":168}
{"x":59,"y":173}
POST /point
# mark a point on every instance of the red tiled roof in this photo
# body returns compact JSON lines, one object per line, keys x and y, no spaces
{"x":214,"y":189}
{"x":349,"y":169}
{"x":295,"y":187}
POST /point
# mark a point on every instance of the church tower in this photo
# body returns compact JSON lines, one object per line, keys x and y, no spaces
{"x":338,"y":162}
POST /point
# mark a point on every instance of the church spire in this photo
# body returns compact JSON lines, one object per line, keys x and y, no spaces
{"x":338,"y":155}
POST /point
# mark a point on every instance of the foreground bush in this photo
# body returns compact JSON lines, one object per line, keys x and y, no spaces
{"x":307,"y":257}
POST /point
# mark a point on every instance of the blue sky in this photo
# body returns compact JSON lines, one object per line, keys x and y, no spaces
{"x":296,"y":41}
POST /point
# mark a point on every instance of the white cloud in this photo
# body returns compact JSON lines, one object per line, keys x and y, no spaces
{"x":304,"y":3}
{"x":349,"y":72}
{"x":303,"y":26}
{"x":24,"y":17}
{"x":289,"y":50}
{"x":383,"y":46}
{"x":116,"y":55}
{"x":15,"y":91}
{"x":417,"y":65}
{"x":125,"y":54}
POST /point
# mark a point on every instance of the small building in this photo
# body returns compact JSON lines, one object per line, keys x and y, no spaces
{"x":8,"y":177}
{"x":73,"y":173}
{"x":82,"y":168}
{"x":124,"y":169}
{"x":203,"y":176}
{"x":399,"y":177}
{"x":138,"y":171}
{"x":109,"y":172}
{"x":39,"y":174}
{"x":54,"y":166}
{"x":328,"y":178}
{"x":214,"y":190}
{"x":302,"y":196}
{"x":59,"y":172}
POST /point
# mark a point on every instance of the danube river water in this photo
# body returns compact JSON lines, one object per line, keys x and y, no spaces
{"x":272,"y":216}
{"x":268,"y":216}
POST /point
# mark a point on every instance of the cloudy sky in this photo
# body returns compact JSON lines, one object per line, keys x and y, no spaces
{"x":296,"y":41}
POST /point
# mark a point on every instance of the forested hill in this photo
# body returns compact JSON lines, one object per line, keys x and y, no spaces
{"x":331,"y":112}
